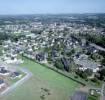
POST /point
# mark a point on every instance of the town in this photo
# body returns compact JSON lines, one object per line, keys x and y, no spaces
{"x":70,"y":45}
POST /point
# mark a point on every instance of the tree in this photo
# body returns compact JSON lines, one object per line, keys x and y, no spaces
{"x":58,"y":64}
{"x":103,"y":62}
{"x":71,"y":52}
{"x":82,"y":74}
{"x":102,"y":74}
{"x":88,"y":72}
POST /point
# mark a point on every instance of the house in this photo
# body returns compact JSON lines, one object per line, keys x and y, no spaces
{"x":2,"y":83}
{"x":85,"y":63}
{"x":92,"y":49}
{"x":95,"y":91}
{"x":77,"y":55}
{"x":16,"y":75}
{"x":79,"y":95}
{"x":3,"y":71}
{"x":54,"y":53}
{"x":40,"y":56}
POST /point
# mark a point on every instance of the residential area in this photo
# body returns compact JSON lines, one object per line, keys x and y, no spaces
{"x":71,"y":48}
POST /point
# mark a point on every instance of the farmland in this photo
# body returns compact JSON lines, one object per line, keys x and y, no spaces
{"x":45,"y":84}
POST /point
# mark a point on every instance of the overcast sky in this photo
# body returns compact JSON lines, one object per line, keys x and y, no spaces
{"x":51,"y":6}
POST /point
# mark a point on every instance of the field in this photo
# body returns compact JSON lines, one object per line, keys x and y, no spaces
{"x":45,"y":84}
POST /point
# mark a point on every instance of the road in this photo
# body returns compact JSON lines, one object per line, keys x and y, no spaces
{"x":97,"y":47}
{"x":18,"y":83}
{"x":103,"y":92}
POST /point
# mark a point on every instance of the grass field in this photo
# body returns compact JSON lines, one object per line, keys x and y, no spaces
{"x":60,"y":87}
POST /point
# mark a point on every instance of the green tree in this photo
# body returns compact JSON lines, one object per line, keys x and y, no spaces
{"x":58,"y":64}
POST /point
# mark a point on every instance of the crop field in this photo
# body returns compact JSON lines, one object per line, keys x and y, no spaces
{"x":45,"y":84}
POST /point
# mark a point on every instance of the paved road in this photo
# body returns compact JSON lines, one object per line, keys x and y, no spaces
{"x":18,"y":83}
{"x":103,"y":92}
{"x":97,"y":47}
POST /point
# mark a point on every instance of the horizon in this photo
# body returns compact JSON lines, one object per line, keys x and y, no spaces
{"x":52,"y":14}
{"x":21,"y":7}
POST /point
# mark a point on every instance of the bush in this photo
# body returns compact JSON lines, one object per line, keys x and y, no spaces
{"x":58,"y":64}
{"x":94,"y":80}
{"x":76,"y":76}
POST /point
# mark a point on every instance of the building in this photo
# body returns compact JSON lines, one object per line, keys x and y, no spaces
{"x":2,"y":83}
{"x":16,"y":75}
{"x":79,"y":95}
{"x":3,"y":71}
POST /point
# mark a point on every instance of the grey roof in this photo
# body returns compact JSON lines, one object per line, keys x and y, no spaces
{"x":80,"y":96}
{"x":1,"y":81}
{"x":87,"y":63}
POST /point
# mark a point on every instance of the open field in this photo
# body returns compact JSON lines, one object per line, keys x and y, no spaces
{"x":58,"y":87}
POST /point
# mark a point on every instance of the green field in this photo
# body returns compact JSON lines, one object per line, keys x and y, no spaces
{"x":60,"y":87}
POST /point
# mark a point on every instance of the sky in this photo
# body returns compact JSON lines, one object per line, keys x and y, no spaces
{"x":51,"y":6}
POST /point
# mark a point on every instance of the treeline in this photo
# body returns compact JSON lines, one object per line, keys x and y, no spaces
{"x":95,"y":38}
{"x":99,"y":22}
{"x":6,"y":36}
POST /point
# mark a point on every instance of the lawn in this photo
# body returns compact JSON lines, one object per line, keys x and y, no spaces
{"x":59,"y":87}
